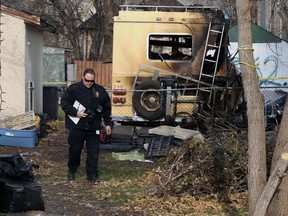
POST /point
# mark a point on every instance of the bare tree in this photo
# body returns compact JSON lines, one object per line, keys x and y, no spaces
{"x":102,"y":35}
{"x":77,"y":21}
{"x":255,"y":105}
{"x":282,"y":8}
{"x":273,"y":200}
{"x":276,"y":187}
{"x":279,"y":203}
{"x":279,"y":194}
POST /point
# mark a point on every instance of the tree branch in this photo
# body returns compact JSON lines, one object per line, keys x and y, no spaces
{"x":271,"y":186}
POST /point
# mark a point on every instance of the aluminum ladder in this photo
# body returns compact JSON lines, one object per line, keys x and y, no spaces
{"x":205,"y":78}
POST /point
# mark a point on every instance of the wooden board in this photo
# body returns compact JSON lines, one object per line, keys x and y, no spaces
{"x":177,"y":132}
{"x":19,"y":122}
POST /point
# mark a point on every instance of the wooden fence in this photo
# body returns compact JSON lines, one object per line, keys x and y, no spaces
{"x":103,"y":71}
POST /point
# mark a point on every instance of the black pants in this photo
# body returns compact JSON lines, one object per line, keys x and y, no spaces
{"x":76,"y":141}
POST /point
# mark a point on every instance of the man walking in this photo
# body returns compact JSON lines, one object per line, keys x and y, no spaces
{"x":86,"y":105}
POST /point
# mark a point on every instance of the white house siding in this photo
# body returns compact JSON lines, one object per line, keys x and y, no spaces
{"x":21,"y":63}
{"x":271,"y":60}
{"x":12,"y":78}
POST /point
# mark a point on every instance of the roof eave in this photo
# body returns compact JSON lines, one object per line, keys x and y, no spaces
{"x":27,"y":18}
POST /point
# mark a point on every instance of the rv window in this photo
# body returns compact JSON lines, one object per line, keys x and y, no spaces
{"x":170,"y":47}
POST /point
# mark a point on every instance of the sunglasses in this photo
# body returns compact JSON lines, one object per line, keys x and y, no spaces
{"x":89,"y":81}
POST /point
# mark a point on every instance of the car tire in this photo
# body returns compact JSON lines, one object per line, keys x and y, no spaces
{"x":150,"y":105}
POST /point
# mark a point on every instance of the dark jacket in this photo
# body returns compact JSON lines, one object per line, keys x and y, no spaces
{"x":96,"y":101}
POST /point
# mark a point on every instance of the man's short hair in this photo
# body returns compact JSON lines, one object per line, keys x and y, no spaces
{"x":90,"y":71}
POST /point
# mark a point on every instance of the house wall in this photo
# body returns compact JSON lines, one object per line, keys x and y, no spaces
{"x":12,"y":78}
{"x":21,"y":67}
{"x":271,"y":60}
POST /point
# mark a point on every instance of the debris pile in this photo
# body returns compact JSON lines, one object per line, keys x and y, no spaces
{"x":217,"y":165}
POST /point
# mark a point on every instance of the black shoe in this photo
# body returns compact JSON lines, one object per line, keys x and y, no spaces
{"x":92,"y":179}
{"x":71,"y":176}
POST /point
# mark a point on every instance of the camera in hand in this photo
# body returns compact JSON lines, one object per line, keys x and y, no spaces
{"x":93,"y":113}
{"x":91,"y":116}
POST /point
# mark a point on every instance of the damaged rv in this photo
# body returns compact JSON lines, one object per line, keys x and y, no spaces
{"x":169,"y":62}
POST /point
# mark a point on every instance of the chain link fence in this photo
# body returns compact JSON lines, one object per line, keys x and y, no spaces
{"x":275,"y":98}
{"x":226,"y":109}
{"x":173,"y":106}
{"x":221,"y":107}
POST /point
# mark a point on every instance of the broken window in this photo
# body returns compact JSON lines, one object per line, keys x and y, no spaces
{"x":170,"y":47}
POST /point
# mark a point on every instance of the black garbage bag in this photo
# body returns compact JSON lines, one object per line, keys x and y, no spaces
{"x":18,"y":190}
{"x":15,"y":167}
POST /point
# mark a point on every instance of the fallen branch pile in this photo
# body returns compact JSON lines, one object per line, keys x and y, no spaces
{"x":217,"y":165}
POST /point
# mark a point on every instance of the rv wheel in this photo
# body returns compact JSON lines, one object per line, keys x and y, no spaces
{"x":149,"y":104}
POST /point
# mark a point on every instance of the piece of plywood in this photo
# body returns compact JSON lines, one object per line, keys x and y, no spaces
{"x":19,"y":122}
{"x":177,"y":132}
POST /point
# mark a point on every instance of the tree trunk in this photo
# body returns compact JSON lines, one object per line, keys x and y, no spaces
{"x":271,"y":187}
{"x":102,"y":37}
{"x":282,"y":11}
{"x":255,"y":106}
{"x":279,"y":203}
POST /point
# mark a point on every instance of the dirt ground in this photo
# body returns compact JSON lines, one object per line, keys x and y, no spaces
{"x":82,"y":198}
{"x":62,"y":197}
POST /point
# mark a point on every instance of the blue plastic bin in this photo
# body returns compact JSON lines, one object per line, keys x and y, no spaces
{"x":19,"y":138}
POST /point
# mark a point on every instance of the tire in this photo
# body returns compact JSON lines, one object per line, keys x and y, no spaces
{"x":150,"y":105}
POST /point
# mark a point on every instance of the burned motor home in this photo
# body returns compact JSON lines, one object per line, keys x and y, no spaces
{"x":170,"y":63}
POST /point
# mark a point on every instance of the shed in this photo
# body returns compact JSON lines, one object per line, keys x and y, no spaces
{"x":270,"y":54}
{"x":54,"y":72}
